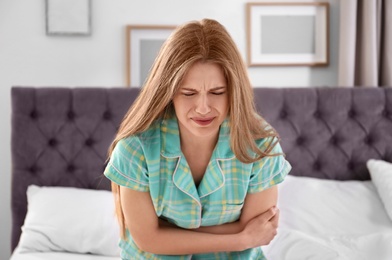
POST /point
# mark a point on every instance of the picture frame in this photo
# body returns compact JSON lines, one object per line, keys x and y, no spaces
{"x":143,"y":43}
{"x":68,"y":17}
{"x":287,"y":34}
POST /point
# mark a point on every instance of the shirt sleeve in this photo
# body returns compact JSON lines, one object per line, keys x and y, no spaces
{"x":127,"y":165}
{"x":270,"y":170}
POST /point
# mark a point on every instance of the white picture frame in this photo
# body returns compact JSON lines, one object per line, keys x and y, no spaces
{"x":68,"y":17}
{"x":287,"y":34}
{"x":143,"y":43}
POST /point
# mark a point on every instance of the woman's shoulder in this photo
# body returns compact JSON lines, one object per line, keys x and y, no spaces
{"x":268,"y":135}
{"x":153,"y":131}
{"x":150,"y":135}
{"x":146,"y":144}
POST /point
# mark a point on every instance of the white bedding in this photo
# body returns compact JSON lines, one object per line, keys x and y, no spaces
{"x":58,"y":256}
{"x":324,"y":219}
{"x":320,"y":220}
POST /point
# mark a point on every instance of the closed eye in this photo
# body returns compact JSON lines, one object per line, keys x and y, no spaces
{"x":188,"y":94}
{"x":218,"y":93}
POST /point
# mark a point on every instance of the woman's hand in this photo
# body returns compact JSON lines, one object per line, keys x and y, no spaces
{"x":262,"y":229}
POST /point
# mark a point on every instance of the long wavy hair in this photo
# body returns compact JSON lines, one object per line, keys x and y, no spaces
{"x":206,"y":41}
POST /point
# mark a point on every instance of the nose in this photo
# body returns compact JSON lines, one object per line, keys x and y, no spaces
{"x":202,"y":106}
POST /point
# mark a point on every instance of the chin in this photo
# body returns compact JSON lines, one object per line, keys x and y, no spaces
{"x":205,"y":131}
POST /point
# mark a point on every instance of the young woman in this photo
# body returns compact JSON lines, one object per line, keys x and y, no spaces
{"x":193,"y":166}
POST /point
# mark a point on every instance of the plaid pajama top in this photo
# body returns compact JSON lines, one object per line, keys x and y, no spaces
{"x":153,"y":162}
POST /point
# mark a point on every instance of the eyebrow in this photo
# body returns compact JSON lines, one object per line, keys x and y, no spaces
{"x":213,"y":89}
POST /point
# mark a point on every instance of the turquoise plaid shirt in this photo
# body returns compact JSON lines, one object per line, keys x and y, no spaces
{"x":152,"y":162}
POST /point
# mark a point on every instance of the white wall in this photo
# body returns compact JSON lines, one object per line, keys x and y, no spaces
{"x":29,"y":57}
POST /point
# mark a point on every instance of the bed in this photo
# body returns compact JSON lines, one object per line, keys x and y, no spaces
{"x":336,"y":203}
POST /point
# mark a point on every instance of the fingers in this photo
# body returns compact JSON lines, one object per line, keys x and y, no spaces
{"x":266,"y":223}
{"x":275,"y":219}
{"x":269,"y":214}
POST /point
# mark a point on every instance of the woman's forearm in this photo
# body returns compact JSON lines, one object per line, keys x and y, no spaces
{"x":151,"y":236}
{"x":169,"y":240}
{"x":228,"y":228}
{"x":172,"y":240}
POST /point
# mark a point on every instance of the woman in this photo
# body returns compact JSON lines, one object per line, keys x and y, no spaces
{"x":193,"y":167}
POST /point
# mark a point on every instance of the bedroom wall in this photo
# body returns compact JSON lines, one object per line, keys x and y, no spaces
{"x":29,"y":57}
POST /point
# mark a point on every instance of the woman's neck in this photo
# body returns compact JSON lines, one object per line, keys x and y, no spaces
{"x":198,"y":153}
{"x":194,"y":144}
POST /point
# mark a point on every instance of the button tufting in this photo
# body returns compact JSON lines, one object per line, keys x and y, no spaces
{"x":283,"y":114}
{"x":52,"y":142}
{"x":33,"y":169}
{"x":351,"y":113}
{"x":34,"y":114}
{"x":107,"y":115}
{"x":385,"y":113}
{"x":317,"y":114}
{"x":317,"y":166}
{"x":71,"y":168}
{"x":300,"y":140}
{"x":350,"y":165}
{"x":334,"y":140}
{"x":89,"y":142}
{"x":71,"y":115}
{"x":368,"y":140}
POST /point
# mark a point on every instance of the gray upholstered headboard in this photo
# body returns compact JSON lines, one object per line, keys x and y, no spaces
{"x":60,"y":136}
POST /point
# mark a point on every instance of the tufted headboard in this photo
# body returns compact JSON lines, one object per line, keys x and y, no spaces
{"x":330,"y":133}
{"x":60,"y":136}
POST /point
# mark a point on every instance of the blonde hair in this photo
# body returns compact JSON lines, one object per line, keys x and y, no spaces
{"x":206,"y":41}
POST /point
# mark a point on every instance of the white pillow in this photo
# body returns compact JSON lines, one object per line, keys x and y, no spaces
{"x":70,"y":219}
{"x":381,"y":174}
{"x":306,"y":205}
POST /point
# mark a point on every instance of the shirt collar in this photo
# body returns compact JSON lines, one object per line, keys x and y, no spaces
{"x":170,"y":139}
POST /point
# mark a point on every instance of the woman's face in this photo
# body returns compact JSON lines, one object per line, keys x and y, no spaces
{"x":201,"y":103}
